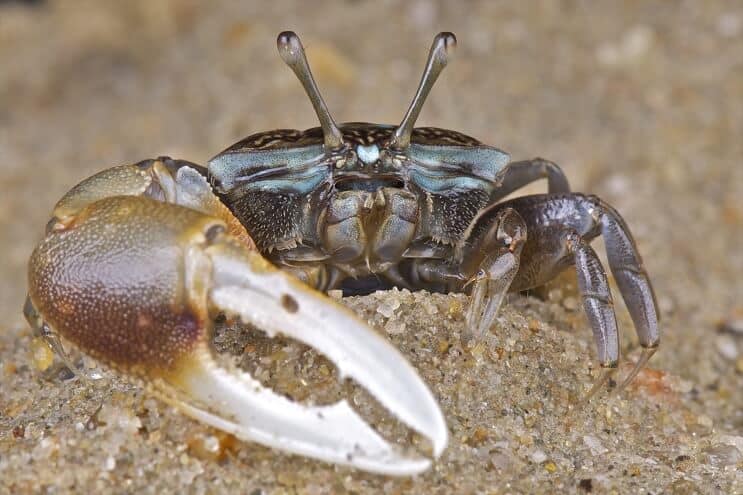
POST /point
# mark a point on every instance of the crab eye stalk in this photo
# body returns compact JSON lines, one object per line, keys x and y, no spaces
{"x":292,"y":53}
{"x":443,"y":45}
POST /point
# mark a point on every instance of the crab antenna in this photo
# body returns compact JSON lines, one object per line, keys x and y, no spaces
{"x":443,"y":45}
{"x":292,"y":53}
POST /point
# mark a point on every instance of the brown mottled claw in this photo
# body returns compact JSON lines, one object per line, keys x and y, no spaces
{"x":135,"y":282}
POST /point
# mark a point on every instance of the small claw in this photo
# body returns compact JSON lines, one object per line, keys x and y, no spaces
{"x":134,"y":282}
{"x":494,"y":251}
{"x":488,"y":292}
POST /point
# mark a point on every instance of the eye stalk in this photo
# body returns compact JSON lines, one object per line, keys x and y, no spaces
{"x":292,"y":53}
{"x":443,"y":45}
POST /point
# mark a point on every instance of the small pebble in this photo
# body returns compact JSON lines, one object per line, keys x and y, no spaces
{"x":455,"y":309}
{"x":570,"y":303}
{"x":388,"y":307}
{"x":635,"y":43}
{"x":538,"y":457}
{"x":705,"y":421}
{"x":595,"y":445}
{"x":734,"y":440}
{"x":586,"y":485}
{"x":501,"y":461}
{"x":394,"y":327}
{"x":730,"y":25}
{"x":723,"y":455}
{"x":42,"y":355}
{"x":726,"y":347}
{"x":733,"y":324}
{"x":429,"y":307}
{"x":206,"y":447}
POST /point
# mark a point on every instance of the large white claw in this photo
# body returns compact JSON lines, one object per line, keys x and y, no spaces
{"x":245,"y":285}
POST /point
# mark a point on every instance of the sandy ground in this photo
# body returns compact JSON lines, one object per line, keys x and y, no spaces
{"x":640,"y":102}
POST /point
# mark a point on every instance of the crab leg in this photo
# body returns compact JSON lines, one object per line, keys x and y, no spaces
{"x":597,"y":301}
{"x":633,"y":281}
{"x":136,"y":282}
{"x":560,"y":227}
{"x":497,"y":256}
{"x":519,"y":174}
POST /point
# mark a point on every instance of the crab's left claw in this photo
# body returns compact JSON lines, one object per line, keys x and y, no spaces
{"x":136,"y":283}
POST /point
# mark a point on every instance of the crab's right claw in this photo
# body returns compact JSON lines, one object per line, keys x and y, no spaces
{"x":136,"y":282}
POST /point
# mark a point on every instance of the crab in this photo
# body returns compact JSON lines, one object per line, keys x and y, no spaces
{"x":139,"y":260}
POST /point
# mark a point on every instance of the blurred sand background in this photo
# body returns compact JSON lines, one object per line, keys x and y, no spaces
{"x":639,"y":102}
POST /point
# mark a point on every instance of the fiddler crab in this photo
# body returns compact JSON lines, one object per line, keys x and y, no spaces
{"x":139,"y":260}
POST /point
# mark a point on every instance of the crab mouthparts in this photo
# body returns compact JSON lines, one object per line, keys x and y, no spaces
{"x":360,"y":181}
